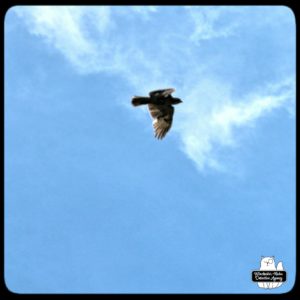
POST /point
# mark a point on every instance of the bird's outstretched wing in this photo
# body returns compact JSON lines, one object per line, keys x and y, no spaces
{"x":162,"y":118}
{"x":161,"y":93}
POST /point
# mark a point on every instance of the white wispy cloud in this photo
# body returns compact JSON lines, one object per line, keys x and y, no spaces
{"x":209,"y":24}
{"x":145,"y":11}
{"x":212,"y":116}
{"x":92,"y":40}
{"x":87,"y":37}
{"x":61,"y":28}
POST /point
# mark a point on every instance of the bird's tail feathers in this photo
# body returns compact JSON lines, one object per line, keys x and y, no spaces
{"x":136,"y":100}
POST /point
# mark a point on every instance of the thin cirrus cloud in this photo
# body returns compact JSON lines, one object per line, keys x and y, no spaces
{"x":205,"y":128}
{"x":206,"y":22}
{"x":84,"y":36}
{"x":92,"y":40}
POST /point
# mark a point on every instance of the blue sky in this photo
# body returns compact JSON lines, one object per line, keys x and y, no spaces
{"x":94,"y":203}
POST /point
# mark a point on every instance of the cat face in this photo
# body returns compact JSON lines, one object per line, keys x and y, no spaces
{"x":267,"y":263}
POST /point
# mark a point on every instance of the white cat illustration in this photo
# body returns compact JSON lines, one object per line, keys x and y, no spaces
{"x":267,"y":263}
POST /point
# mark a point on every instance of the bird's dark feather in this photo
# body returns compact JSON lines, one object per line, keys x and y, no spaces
{"x":161,"y":110}
{"x":162,"y":118}
{"x":161,"y":93}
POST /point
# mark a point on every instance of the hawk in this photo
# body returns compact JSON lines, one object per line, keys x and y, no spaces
{"x":161,"y":110}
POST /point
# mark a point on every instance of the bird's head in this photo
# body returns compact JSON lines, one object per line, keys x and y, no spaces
{"x":176,"y":101}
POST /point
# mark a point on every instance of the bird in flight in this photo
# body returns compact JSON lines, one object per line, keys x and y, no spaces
{"x":161,"y":110}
